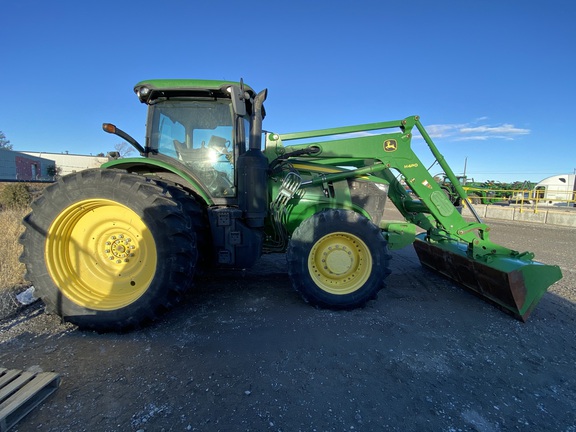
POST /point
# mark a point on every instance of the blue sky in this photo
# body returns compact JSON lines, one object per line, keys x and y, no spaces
{"x":493,"y":81}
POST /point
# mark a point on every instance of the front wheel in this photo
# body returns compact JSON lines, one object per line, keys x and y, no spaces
{"x":108,"y":250}
{"x":338,"y":259}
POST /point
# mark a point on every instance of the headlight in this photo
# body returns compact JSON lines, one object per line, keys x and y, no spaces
{"x":143,"y":93}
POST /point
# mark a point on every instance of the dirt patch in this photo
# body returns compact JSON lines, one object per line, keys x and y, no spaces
{"x":244,"y":352}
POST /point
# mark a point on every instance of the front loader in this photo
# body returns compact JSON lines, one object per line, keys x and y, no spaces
{"x":113,"y":248}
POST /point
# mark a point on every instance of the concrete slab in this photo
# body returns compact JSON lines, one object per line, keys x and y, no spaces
{"x":529,"y":216}
{"x":480,"y":209}
{"x":561,"y":218}
{"x":499,"y":212}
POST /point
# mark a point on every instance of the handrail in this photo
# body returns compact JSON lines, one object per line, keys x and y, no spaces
{"x":524,"y":197}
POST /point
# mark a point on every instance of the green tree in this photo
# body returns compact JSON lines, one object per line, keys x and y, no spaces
{"x":4,"y":143}
{"x":53,"y":170}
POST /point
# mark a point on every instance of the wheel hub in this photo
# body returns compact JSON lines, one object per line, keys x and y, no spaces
{"x":337,"y":259}
{"x":119,"y":248}
{"x":338,"y":263}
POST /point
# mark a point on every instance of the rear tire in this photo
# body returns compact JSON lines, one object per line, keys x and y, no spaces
{"x":107,"y":250}
{"x":199,"y":223}
{"x":338,"y":259}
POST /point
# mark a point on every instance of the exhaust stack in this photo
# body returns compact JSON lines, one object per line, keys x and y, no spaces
{"x":253,"y":171}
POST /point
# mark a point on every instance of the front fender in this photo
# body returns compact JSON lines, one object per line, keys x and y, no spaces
{"x":340,"y":195}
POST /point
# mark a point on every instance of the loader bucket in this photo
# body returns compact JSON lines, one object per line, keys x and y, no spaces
{"x":512,"y":283}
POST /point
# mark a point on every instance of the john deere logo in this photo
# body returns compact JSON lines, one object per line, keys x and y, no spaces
{"x":390,"y":145}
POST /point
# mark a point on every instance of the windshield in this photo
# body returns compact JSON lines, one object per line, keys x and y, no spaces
{"x":198,"y":134}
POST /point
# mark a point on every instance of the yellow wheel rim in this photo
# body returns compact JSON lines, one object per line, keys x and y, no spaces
{"x":340,"y":263}
{"x":100,"y":254}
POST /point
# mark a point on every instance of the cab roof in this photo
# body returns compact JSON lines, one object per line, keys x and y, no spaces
{"x":165,"y":88}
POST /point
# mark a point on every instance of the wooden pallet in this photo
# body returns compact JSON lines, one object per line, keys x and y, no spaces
{"x":21,"y":392}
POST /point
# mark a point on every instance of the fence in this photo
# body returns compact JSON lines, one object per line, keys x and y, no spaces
{"x":529,"y":199}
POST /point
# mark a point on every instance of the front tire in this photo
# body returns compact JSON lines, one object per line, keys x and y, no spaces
{"x":107,"y":250}
{"x":338,"y":259}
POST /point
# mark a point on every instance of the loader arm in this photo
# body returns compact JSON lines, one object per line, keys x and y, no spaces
{"x":451,"y":245}
{"x":378,"y":154}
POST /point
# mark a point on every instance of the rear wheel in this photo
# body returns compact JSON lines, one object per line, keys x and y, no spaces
{"x":108,"y":250}
{"x":338,"y":259}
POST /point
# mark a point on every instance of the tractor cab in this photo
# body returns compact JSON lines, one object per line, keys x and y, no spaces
{"x":204,"y":125}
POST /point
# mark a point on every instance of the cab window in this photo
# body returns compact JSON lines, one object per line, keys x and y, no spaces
{"x":200,"y":135}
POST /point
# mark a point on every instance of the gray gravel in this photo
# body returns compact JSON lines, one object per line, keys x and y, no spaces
{"x":245,"y":353}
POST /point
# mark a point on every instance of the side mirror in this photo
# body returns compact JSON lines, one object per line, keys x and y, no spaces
{"x":111,"y":129}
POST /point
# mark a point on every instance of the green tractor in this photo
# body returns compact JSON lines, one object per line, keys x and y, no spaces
{"x":113,"y":248}
{"x":477,"y":192}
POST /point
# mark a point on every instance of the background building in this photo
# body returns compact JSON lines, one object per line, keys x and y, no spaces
{"x":42,"y":166}
{"x":19,"y":166}
{"x":69,"y":163}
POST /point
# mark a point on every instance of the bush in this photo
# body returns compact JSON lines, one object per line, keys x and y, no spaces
{"x":52,"y":170}
{"x":15,"y":196}
{"x":11,"y":269}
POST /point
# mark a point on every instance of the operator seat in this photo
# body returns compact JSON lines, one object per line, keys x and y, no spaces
{"x":185,"y":154}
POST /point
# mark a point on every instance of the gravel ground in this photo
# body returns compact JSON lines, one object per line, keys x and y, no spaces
{"x":244,"y":352}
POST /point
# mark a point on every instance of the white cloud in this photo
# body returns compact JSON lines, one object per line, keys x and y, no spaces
{"x":505,"y":129}
{"x":443,"y":131}
{"x":476,"y":132}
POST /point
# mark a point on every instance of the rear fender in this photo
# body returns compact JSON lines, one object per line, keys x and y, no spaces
{"x":171,"y":171}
